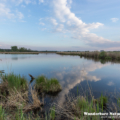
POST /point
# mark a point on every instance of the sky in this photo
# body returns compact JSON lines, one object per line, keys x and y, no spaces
{"x":63,"y":25}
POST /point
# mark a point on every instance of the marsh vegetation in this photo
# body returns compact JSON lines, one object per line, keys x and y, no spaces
{"x":14,"y":98}
{"x":109,"y":56}
{"x":43,"y":84}
{"x":21,"y":101}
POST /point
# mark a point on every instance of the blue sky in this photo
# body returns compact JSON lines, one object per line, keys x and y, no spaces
{"x":60,"y":24}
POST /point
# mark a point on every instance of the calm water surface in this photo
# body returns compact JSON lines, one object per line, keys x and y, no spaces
{"x":72,"y":72}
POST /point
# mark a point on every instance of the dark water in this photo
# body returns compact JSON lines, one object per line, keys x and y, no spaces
{"x":72,"y":72}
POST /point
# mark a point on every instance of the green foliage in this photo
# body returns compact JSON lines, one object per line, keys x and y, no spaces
{"x":82,"y":103}
{"x":15,"y":81}
{"x":118,"y":102}
{"x":22,"y":49}
{"x":14,"y":48}
{"x":108,"y":58}
{"x":102,"y":55}
{"x":40,"y":79}
{"x":2,"y":113}
{"x":103,"y":100}
{"x":52,"y":113}
{"x":47,"y":85}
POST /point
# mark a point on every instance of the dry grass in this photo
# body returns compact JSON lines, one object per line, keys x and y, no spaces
{"x":15,"y":100}
{"x":36,"y":104}
{"x":18,"y":101}
{"x":74,"y":109}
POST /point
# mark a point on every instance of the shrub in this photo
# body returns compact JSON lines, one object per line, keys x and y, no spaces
{"x":102,"y":55}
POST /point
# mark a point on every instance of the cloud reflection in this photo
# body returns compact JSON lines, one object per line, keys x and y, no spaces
{"x":69,"y":79}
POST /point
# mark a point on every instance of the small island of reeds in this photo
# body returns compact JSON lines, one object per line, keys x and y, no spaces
{"x":43,"y":84}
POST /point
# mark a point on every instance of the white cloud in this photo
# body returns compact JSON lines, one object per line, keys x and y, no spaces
{"x":5,"y":12}
{"x":53,"y":21}
{"x":110,"y":84}
{"x":114,"y":19}
{"x":76,"y":27}
{"x":74,"y":24}
{"x":59,"y":28}
{"x":41,"y":1}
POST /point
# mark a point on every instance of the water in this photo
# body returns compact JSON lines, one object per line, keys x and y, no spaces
{"x":72,"y":72}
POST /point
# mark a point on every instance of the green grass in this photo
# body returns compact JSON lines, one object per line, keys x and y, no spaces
{"x":74,"y":108}
{"x":15,"y":81}
{"x":2,"y":113}
{"x":52,"y":113}
{"x":18,"y":115}
{"x":46,"y":85}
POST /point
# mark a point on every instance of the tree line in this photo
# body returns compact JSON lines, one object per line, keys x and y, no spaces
{"x":16,"y":49}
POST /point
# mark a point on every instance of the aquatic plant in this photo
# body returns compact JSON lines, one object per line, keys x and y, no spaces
{"x":52,"y":113}
{"x":103,"y":100}
{"x":45,"y":85}
{"x":74,"y":108}
{"x":2,"y":113}
{"x":15,"y":81}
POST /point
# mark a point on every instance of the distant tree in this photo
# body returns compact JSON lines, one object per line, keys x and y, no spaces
{"x":14,"y":48}
{"x":22,"y":49}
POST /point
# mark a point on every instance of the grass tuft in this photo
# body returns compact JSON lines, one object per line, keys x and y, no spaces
{"x":2,"y":113}
{"x":15,"y":81}
{"x":45,"y":85}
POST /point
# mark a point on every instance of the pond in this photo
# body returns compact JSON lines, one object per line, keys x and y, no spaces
{"x":74,"y":73}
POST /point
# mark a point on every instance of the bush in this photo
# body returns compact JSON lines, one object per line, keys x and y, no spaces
{"x":102,"y":55}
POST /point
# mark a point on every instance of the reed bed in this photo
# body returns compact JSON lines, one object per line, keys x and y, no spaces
{"x":74,"y":108}
{"x":42,"y":84}
{"x":12,"y":80}
{"x":95,"y":54}
{"x":15,"y":104}
{"x":14,"y":99}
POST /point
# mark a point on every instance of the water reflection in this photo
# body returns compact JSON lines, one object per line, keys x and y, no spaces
{"x":71,"y":71}
{"x":76,"y":75}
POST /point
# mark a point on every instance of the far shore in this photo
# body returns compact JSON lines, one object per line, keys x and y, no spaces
{"x":25,"y":52}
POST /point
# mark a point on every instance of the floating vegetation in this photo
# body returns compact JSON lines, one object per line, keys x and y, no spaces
{"x":42,"y":84}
